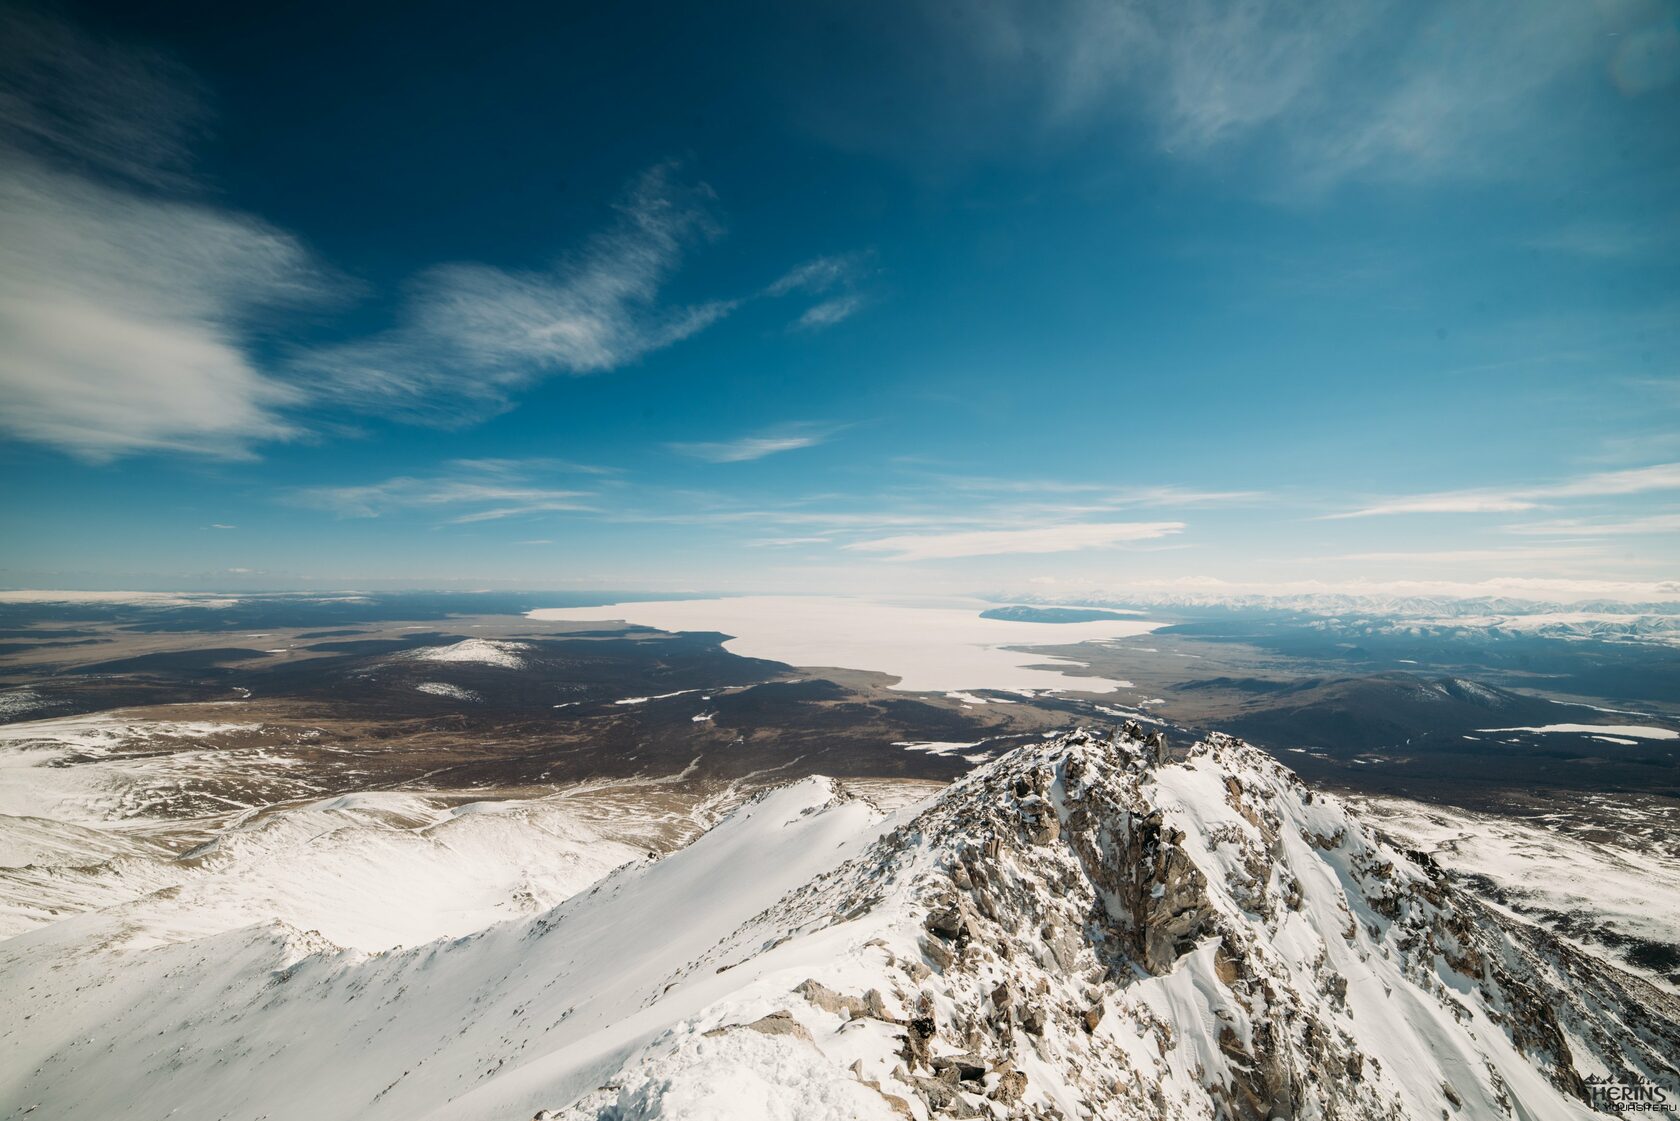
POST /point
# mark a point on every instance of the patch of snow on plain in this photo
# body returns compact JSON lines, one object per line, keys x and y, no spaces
{"x":935,"y":747}
{"x":102,"y":766}
{"x":1638,"y":731}
{"x":937,"y":646}
{"x":475,"y":651}
{"x":444,"y":689}
{"x":655,"y":697}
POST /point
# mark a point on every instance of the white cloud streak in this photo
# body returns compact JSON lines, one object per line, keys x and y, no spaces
{"x":1445,"y":502}
{"x":131,"y":306}
{"x":836,"y":279}
{"x":1603,"y":484}
{"x":472,"y":334}
{"x":1380,"y":89}
{"x":1038,"y":539}
{"x":829,"y":312}
{"x":478,"y":491}
{"x":772,"y":442}
{"x":1602,"y":527}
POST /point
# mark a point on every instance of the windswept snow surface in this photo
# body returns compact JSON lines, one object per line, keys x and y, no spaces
{"x":940,"y":646}
{"x":1075,"y":928}
{"x":106,"y":765}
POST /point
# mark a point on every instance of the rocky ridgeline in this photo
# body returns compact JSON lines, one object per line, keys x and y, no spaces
{"x":1086,"y":928}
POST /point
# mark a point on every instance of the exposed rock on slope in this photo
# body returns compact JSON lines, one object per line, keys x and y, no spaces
{"x":1080,"y":929}
{"x":1077,"y":932}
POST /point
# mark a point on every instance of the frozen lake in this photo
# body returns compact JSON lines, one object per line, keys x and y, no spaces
{"x":930,"y":645}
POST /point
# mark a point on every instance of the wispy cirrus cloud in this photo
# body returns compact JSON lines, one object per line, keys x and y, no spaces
{"x":98,"y":105}
{"x":995,"y":542}
{"x":1504,"y":554}
{"x":1601,"y":484}
{"x":835,"y":281}
{"x":472,"y":491}
{"x":1102,"y":495}
{"x":829,"y":312}
{"x":472,"y":334}
{"x":134,"y":306}
{"x":773,"y":441}
{"x":936,"y":515}
{"x":787,"y":542}
{"x":1443,"y":502}
{"x":1365,"y":89}
{"x":1599,"y":527}
{"x":1609,"y":241}
{"x":128,"y":301}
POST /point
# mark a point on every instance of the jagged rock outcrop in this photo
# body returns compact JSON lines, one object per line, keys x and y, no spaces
{"x":1085,"y":929}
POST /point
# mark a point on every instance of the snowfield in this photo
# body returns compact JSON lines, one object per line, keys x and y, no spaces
{"x":1078,"y":929}
{"x":107,"y":765}
{"x":939,"y":646}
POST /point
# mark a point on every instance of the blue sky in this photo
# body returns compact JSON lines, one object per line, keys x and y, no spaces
{"x":993,"y":297}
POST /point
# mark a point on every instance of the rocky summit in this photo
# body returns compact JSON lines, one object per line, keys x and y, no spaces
{"x":1083,"y":929}
{"x":1091,"y":927}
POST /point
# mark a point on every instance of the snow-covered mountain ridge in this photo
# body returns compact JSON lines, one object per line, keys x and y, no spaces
{"x":1081,"y":929}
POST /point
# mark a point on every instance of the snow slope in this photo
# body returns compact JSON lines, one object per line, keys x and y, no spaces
{"x":371,"y":871}
{"x":1618,"y":895}
{"x":268,"y":1020}
{"x":1073,"y":930}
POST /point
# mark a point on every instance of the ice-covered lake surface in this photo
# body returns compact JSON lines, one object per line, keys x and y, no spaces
{"x":929,"y":645}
